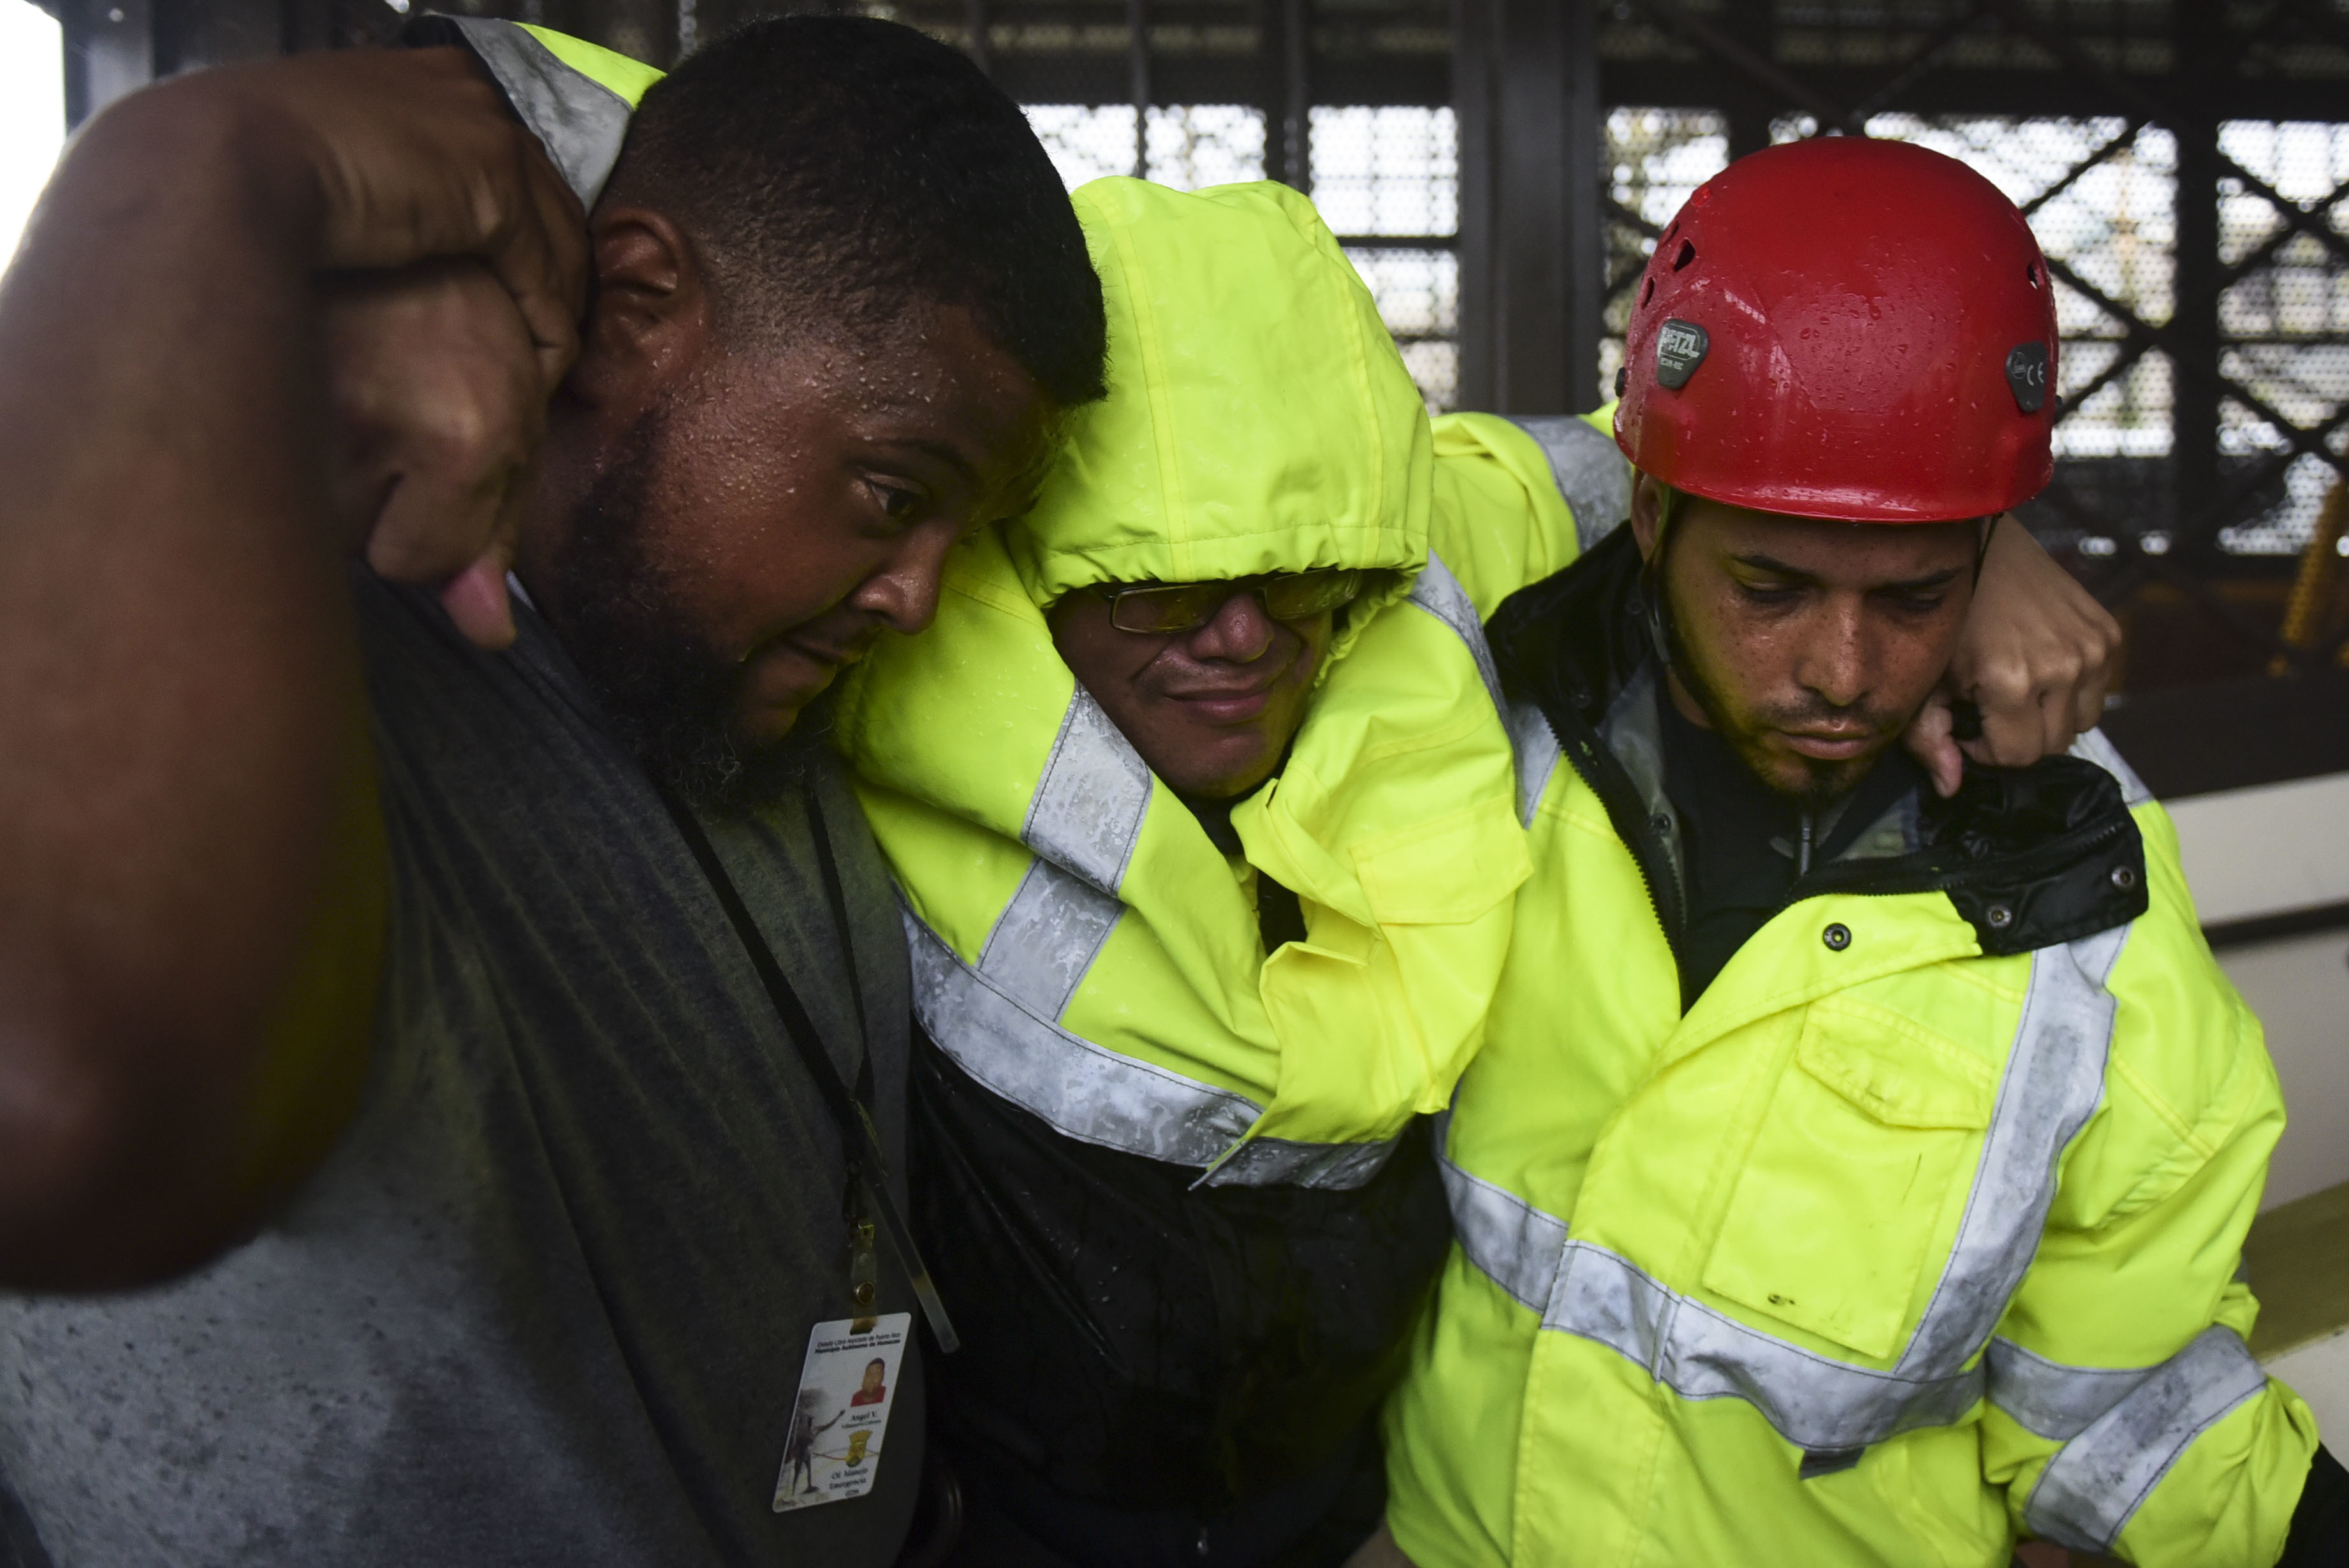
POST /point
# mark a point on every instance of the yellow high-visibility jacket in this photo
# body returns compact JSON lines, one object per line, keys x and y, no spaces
{"x":1918,"y":1229}
{"x":575,"y":96}
{"x":1222,"y":1315}
{"x":1081,"y":946}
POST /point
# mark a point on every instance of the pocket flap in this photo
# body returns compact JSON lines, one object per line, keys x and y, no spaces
{"x":1897,"y":1073}
{"x":1863,"y":1153}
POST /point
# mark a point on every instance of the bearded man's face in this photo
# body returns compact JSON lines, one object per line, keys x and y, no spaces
{"x":669,"y":696}
{"x":764,"y":518}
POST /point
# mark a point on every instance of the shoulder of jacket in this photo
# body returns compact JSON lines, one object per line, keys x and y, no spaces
{"x":2183,"y":1036}
{"x":1559,"y":457}
{"x":575,"y":96}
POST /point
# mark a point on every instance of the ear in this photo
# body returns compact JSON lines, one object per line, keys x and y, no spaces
{"x":1647,"y":511}
{"x":651,"y":318}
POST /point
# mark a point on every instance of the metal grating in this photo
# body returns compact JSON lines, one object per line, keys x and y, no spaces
{"x":2185,"y":169}
{"x":1497,"y":168}
{"x":1346,"y":100}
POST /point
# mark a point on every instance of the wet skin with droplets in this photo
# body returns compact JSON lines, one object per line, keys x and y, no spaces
{"x":803,"y":497}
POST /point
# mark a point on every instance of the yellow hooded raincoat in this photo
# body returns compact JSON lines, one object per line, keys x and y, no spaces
{"x":1081,"y":946}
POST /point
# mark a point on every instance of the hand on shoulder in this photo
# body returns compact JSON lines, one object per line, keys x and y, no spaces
{"x":2037,"y":655}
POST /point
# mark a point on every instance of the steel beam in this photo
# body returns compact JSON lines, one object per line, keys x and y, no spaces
{"x":2192,"y":338}
{"x":1137,"y":80}
{"x":1954,"y":89}
{"x":110,"y":51}
{"x":1525,"y":82}
{"x":1100,"y":77}
{"x":978,"y":24}
{"x":1748,"y":110}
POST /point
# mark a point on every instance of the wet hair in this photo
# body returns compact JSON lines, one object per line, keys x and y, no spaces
{"x":830,"y":171}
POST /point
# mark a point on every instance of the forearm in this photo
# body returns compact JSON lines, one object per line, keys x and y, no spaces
{"x":186,"y":816}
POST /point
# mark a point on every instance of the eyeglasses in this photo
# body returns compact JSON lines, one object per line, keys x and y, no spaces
{"x":1187,"y":606}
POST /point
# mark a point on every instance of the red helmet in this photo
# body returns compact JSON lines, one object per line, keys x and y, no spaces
{"x":1846,"y":328}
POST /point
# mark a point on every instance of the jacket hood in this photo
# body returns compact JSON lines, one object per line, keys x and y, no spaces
{"x":1080,"y":945}
{"x":1276,"y":431}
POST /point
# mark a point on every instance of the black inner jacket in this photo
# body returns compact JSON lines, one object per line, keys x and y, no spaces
{"x":1133,"y":1339}
{"x":2029,"y":856}
{"x":1740,"y":836}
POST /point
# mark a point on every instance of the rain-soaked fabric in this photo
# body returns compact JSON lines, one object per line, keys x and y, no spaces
{"x":1160,"y":1319}
{"x":1130,"y":1339}
{"x":547,"y":1299}
{"x":1915,"y":1232}
{"x":1082,"y":947}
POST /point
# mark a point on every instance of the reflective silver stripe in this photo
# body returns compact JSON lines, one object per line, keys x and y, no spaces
{"x":1537,"y":753}
{"x":1087,"y":813}
{"x":2089,"y":1491}
{"x":2056,"y":1401}
{"x":2094,"y":747}
{"x":2055,"y":1077}
{"x":1278,"y":1162}
{"x":1047,"y":937}
{"x":1439,"y":593}
{"x":1516,"y":1245}
{"x":1816,"y":1403}
{"x":1000,"y":1021}
{"x":579,"y":120}
{"x":1089,"y":1093}
{"x":1083,"y":823}
{"x":1000,"y":1025}
{"x":1591,"y":473}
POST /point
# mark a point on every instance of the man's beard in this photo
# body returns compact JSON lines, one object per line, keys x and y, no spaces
{"x":1824,"y":781}
{"x":667,"y":696}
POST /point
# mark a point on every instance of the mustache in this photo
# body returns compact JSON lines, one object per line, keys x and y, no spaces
{"x":1812,"y":712}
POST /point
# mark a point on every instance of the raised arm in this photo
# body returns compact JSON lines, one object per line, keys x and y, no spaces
{"x":2036,"y":658}
{"x":192,"y":888}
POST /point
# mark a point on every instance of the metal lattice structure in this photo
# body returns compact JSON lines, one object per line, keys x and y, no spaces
{"x":1499,"y":168}
{"x":1350,"y":100}
{"x":2183,"y":169}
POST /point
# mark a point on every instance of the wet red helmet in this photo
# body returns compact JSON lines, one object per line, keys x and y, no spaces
{"x":1845,"y":328}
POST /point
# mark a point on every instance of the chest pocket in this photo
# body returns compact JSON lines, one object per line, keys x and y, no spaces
{"x":1870,"y":1139}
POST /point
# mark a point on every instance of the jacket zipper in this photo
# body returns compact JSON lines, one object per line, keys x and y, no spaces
{"x":1597,"y":768}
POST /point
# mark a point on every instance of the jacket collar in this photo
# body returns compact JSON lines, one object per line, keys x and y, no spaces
{"x":2028,"y":857}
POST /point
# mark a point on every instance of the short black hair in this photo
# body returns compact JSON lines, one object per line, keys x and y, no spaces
{"x":832,"y":169}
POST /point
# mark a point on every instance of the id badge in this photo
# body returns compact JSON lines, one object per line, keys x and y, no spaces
{"x":832,"y":1449}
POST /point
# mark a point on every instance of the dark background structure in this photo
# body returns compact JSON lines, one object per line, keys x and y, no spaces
{"x":1498,"y":169}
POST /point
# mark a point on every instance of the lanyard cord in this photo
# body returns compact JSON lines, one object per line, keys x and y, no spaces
{"x":859,"y":1139}
{"x":837,"y":898}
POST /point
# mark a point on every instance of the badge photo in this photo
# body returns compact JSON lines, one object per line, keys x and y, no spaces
{"x":832,"y":1448}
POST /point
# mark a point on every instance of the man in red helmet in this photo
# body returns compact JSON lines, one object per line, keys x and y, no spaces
{"x":1850,"y":1174}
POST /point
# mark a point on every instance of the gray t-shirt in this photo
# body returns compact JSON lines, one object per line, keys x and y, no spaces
{"x":547,"y":1300}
